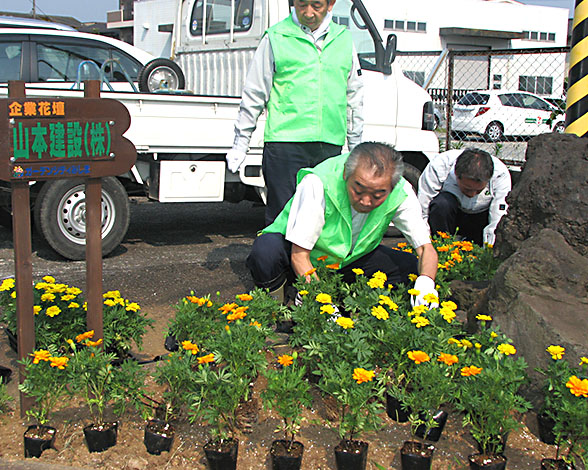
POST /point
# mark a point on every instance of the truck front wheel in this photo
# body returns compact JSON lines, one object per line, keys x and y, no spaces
{"x":60,"y":216}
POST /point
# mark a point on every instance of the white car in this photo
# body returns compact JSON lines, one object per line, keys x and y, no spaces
{"x":50,"y":55}
{"x":498,"y":113}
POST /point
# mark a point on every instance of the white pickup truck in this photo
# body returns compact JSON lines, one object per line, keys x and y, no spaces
{"x":182,"y":137}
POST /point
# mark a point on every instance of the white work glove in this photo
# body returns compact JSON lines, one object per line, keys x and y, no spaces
{"x":425,"y":285}
{"x":235,"y":159}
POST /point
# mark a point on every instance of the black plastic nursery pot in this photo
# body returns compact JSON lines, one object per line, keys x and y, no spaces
{"x":556,"y":464}
{"x":487,"y":461}
{"x":416,"y":455}
{"x":38,"y":438}
{"x":395,"y":411}
{"x":159,"y":436}
{"x":286,"y":456}
{"x":222,"y":455}
{"x":434,"y":434}
{"x":5,"y":374}
{"x":351,"y":454}
{"x":100,"y":437}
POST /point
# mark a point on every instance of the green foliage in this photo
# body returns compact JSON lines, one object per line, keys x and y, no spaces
{"x":5,"y":399}
{"x":287,"y":392}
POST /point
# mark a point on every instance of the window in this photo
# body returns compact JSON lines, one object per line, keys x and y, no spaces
{"x":474,"y":99}
{"x":402,"y":25}
{"x":543,"y":36}
{"x":539,"y":36}
{"x":10,"y":57}
{"x":551,"y":37}
{"x":399,"y":24}
{"x":422,"y":27}
{"x":388,"y":24}
{"x":417,"y":77}
{"x":497,"y":81}
{"x":538,"y":85}
{"x":534,"y":35}
{"x":218,"y":16}
{"x":411,"y":25}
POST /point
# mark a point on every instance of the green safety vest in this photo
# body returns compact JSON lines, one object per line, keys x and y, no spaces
{"x":335,"y":238}
{"x":308,"y":100}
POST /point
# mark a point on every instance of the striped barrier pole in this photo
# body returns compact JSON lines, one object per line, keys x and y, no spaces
{"x":577,"y":95}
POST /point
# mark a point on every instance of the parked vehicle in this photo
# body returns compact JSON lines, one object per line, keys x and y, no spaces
{"x":499,"y":113}
{"x":182,"y":138}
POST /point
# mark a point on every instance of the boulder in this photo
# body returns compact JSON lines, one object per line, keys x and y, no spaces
{"x":552,"y":192}
{"x":539,"y":297}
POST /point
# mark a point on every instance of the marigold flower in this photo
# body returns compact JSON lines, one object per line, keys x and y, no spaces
{"x":303,"y":292}
{"x":333,"y":266}
{"x":310,"y":272}
{"x":132,"y":307}
{"x":255,"y":323}
{"x":447,"y":314}
{"x":583,"y":361}
{"x":448,"y":359}
{"x":323,"y":298}
{"x":493,"y":334}
{"x":358,"y":271}
{"x":478,"y":346}
{"x":443,"y":248}
{"x":237,"y":314}
{"x":327,"y":308}
{"x":36,"y":309}
{"x":412,"y":277}
{"x":196,"y":300}
{"x":46,"y":297}
{"x":419,"y":309}
{"x":420,"y":322}
{"x":431,"y":298}
{"x":557,"y":352}
{"x":67,"y":297}
{"x":93,"y":343}
{"x":578,"y":387}
{"x":454,"y":341}
{"x":482,"y":317}
{"x":448,"y":304}
{"x":112,"y":294}
{"x":49,"y":279}
{"x":380,"y":275}
{"x":380,"y":312}
{"x":226,"y":308}
{"x":190,"y":346}
{"x":40,"y":355}
{"x":74,"y":290}
{"x":362,"y":375}
{"x":53,"y":311}
{"x":467,"y":343}
{"x":444,"y":235}
{"x":418,"y":356}
{"x":206,"y":359}
{"x":322,"y":258}
{"x":73,"y":305}
{"x":285,"y":360}
{"x":84,"y":336}
{"x":376,"y":283}
{"x":59,"y":362}
{"x":227,"y":328}
{"x":109,"y":302}
{"x":345,"y":322}
{"x":402,"y":245}
{"x":70,"y":342}
{"x":468,"y":371}
{"x":245,"y":297}
{"x":507,"y":349}
{"x":385,"y":300}
{"x":7,"y":284}
{"x":414,"y":292}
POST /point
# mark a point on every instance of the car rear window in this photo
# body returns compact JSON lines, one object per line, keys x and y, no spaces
{"x":474,"y":99}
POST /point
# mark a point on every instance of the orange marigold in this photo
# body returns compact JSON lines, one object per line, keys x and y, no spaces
{"x":285,"y":360}
{"x":468,"y":371}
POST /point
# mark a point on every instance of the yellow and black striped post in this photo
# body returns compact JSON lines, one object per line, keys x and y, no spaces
{"x":577,"y":96}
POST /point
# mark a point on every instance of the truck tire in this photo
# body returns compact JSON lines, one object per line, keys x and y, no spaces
{"x":60,"y":216}
{"x":161,"y":75}
{"x":412,"y":175}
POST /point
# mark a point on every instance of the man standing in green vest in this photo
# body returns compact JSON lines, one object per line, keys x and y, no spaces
{"x":306,"y":73}
{"x":341,"y":209}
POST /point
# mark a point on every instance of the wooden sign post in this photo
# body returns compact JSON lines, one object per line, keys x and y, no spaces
{"x":59,"y":138}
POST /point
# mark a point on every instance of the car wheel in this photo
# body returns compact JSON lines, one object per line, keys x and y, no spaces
{"x":494,"y":132}
{"x":60,"y":216}
{"x":560,"y":128}
{"x":161,"y":75}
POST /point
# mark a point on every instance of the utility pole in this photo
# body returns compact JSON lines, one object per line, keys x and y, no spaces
{"x":577,"y":94}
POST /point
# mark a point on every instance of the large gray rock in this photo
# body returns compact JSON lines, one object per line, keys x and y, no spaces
{"x":552,"y":192}
{"x":539,"y":297}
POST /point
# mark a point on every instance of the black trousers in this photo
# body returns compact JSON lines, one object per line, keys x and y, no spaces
{"x":445,"y":215}
{"x":269,"y":263}
{"x":280,"y":164}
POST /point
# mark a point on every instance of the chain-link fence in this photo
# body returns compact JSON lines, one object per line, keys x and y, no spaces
{"x":495,"y":100}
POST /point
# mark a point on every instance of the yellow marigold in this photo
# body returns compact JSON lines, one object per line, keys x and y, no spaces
{"x":70,"y":342}
{"x":578,"y":387}
{"x":84,"y":336}
{"x":285,"y":360}
{"x":412,"y":277}
{"x":112,"y":294}
{"x":493,"y":334}
{"x":53,"y":311}
{"x":448,"y":359}
{"x":206,"y":359}
{"x":40,"y":355}
{"x":414,"y":292}
{"x":468,"y":371}
{"x":93,"y":343}
{"x":132,"y":307}
{"x":454,"y":341}
{"x":478,"y":346}
{"x":59,"y":362}
{"x":345,"y":322}
{"x":190,"y":346}
{"x":385,"y":300}
{"x":333,"y":266}
{"x":40,"y":285}
{"x":303,"y":292}
{"x":36,"y":309}
{"x":362,"y":375}
{"x":73,"y":305}
{"x":226,"y":308}
{"x":583,"y":361}
{"x":245,"y":297}
{"x":49,"y":279}
{"x":402,"y":245}
{"x":376,"y":283}
{"x":557,"y":352}
{"x":447,"y":314}
{"x":418,"y":356}
{"x":255,"y":324}
{"x":323,"y":298}
{"x":507,"y":349}
{"x":358,"y":271}
{"x":407,"y":250}
{"x":431,"y":298}
{"x":380,"y":275}
{"x":418,"y":310}
{"x":109,"y":302}
{"x":310,"y":272}
{"x":467,"y":343}
{"x":444,"y":235}
{"x":322,"y":258}
{"x":380,"y":312}
{"x":327,"y":308}
{"x":420,"y":322}
{"x":74,"y":290}
{"x":67,"y":297}
{"x":7,"y":284}
{"x":483,"y":317}
{"x":47,"y":297}
{"x":238,"y":314}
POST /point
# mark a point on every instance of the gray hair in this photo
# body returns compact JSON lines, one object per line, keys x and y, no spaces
{"x":474,"y":164}
{"x":379,"y":156}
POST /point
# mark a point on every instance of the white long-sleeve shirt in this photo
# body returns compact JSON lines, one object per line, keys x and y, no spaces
{"x":307,"y":216}
{"x":439,"y":175}
{"x":259,"y":80}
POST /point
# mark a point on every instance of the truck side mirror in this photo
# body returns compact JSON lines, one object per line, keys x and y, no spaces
{"x":390,"y":53}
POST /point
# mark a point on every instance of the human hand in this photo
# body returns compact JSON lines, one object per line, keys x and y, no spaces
{"x":235,"y":159}
{"x":425,"y":287}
